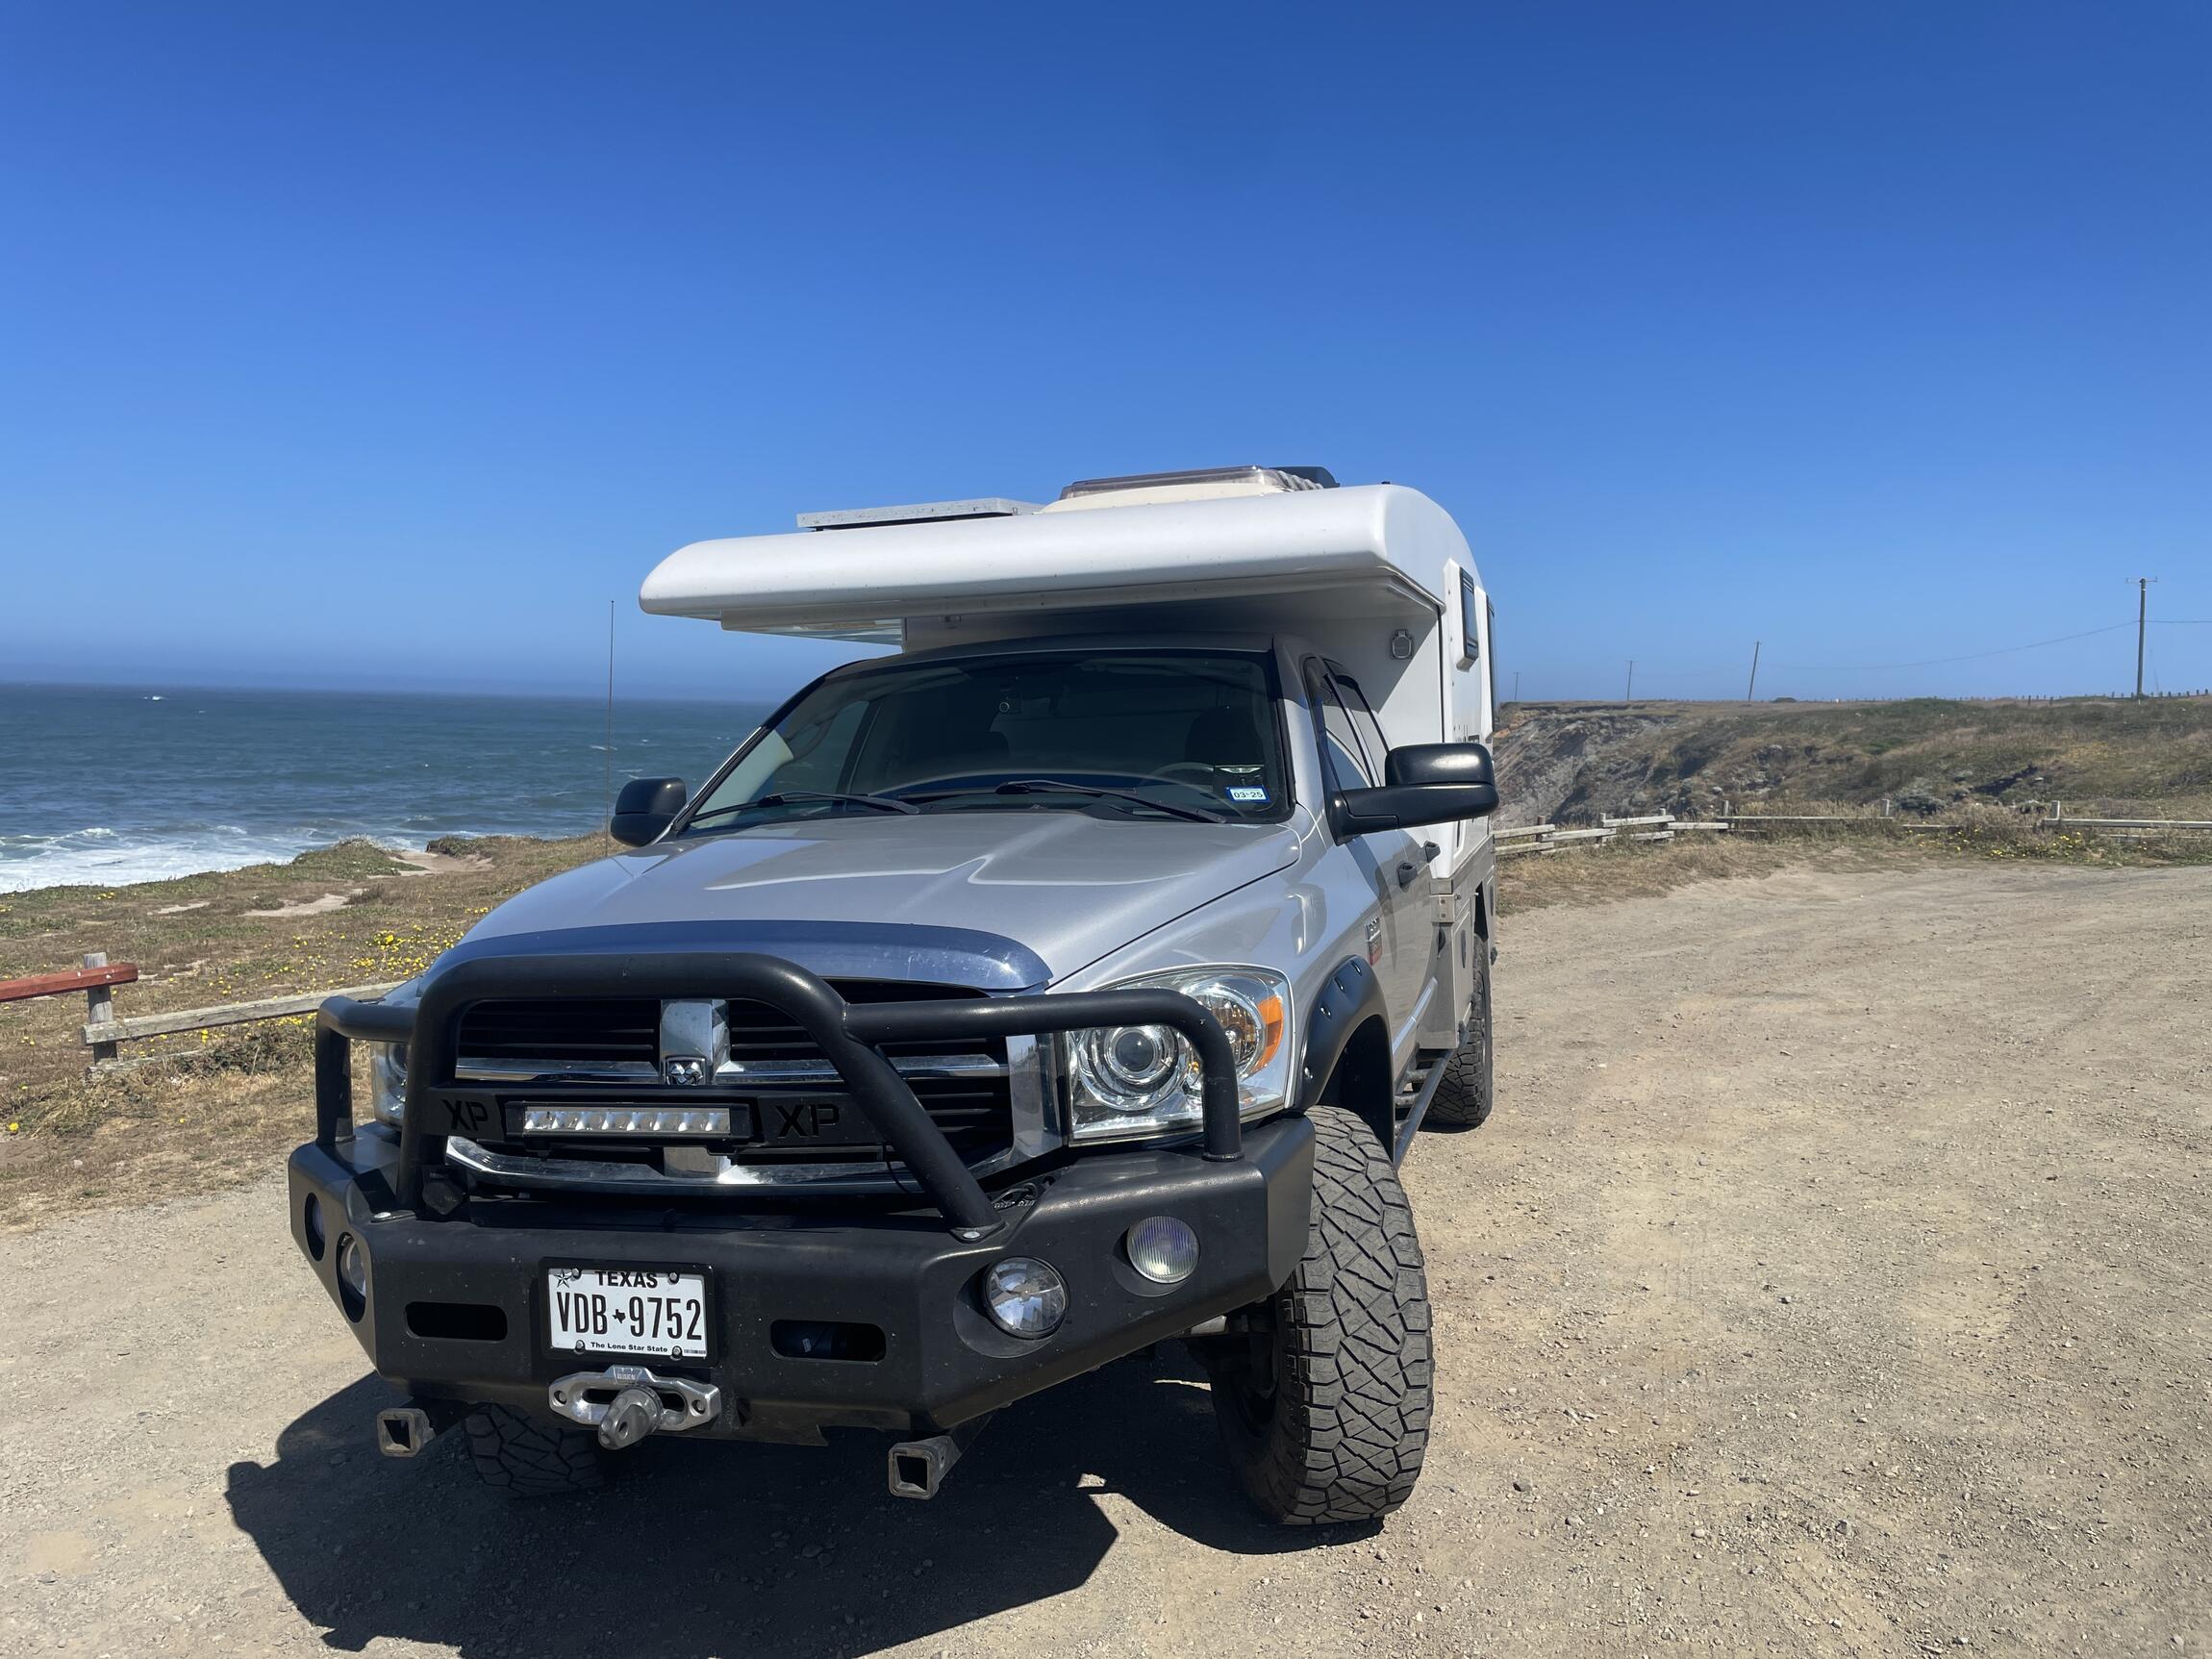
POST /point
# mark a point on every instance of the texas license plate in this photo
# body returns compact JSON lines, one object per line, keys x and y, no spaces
{"x":644,"y":1311}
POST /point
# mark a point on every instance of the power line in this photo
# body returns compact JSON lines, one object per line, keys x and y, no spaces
{"x":1685,"y":673}
{"x":1937,"y":662}
{"x":1763,"y":665}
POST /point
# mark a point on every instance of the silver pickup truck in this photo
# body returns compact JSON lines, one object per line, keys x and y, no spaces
{"x":1072,"y":979}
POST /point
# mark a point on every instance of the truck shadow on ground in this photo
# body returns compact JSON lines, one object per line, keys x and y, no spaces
{"x":700,"y":1549}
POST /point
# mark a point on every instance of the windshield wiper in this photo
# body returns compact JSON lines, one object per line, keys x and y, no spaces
{"x":800,"y":798}
{"x":1054,"y":786}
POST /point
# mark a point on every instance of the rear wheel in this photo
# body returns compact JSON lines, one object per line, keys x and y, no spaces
{"x":1324,"y":1396}
{"x":526,"y":1458}
{"x":1463,"y":1098}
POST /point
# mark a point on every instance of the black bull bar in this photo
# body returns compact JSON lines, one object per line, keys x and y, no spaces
{"x":848,"y":1036}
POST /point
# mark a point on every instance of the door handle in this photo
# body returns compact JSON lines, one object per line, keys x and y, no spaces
{"x":1406,"y":871}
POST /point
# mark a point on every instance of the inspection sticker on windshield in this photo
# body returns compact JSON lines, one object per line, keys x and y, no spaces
{"x":653,"y":1311}
{"x":1247,"y":793}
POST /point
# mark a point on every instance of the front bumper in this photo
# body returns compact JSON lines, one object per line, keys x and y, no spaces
{"x":456,"y":1308}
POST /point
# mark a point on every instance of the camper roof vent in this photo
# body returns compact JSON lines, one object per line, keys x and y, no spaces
{"x":921,"y":511}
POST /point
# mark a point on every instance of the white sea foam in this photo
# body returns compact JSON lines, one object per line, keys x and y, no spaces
{"x":101,"y":857}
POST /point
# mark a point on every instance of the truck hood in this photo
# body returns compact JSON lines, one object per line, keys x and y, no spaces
{"x":1062,"y":887}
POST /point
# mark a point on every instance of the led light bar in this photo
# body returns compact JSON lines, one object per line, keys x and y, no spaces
{"x":625,"y":1120}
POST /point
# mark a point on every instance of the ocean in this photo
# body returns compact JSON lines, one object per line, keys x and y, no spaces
{"x":122,"y":784}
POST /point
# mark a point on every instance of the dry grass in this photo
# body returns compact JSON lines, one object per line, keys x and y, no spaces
{"x":1598,"y":873}
{"x":217,"y":1107}
{"x":2114,"y":756}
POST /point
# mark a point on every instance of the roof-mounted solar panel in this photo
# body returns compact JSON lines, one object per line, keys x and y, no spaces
{"x":1252,"y":478}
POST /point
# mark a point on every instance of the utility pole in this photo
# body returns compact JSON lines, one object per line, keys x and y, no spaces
{"x":2141,"y":621}
{"x":1629,"y":696}
{"x":606,"y":824}
{"x":1754,"y":685}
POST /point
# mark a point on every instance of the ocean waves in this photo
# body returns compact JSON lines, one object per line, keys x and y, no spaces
{"x":202,"y":779}
{"x":102,"y":857}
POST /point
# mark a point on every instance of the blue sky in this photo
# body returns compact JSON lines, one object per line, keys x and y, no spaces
{"x":383,"y":346}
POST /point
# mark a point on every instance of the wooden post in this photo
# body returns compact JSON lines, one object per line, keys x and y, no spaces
{"x":100,"y":1006}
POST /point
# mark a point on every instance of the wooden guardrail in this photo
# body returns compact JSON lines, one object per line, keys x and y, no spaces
{"x":97,"y":979}
{"x":2125,"y":824}
{"x":1550,"y":837}
{"x":115,"y":1030}
{"x":103,"y":1032}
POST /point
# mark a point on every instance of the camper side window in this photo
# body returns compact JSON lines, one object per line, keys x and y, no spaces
{"x":1489,"y":618}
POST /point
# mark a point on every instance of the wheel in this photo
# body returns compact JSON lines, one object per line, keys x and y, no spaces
{"x":1324,"y":1399}
{"x":1463,"y":1098}
{"x":526,"y":1458}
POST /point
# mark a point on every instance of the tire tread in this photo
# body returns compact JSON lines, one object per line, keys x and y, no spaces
{"x":526,"y":1458}
{"x":1353,"y":1393}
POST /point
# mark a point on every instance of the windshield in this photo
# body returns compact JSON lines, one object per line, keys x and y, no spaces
{"x":1193,"y":732}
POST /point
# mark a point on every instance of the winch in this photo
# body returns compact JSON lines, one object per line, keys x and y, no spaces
{"x":626,"y":1403}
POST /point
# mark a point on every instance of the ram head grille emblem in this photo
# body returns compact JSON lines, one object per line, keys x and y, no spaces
{"x":695,"y":1041}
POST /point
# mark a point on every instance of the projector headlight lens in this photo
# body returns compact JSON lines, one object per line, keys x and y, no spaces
{"x":1164,"y":1250}
{"x":1131,"y":1081}
{"x":387,"y":1081}
{"x":1025,"y":1298}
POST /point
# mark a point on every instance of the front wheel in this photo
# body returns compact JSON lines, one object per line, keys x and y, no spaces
{"x":1323,"y":1399}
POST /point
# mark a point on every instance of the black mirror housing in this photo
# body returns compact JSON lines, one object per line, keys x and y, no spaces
{"x":1419,"y":764}
{"x":1423,"y":784}
{"x":646,"y":808}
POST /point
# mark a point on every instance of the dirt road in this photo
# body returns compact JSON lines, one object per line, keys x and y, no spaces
{"x":1831,"y":1280}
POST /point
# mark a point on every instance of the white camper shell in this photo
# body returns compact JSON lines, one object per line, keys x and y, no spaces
{"x":1376,"y":576}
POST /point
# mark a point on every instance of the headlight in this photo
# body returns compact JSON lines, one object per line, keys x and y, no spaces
{"x":387,"y":1080}
{"x":1135,"y":1080}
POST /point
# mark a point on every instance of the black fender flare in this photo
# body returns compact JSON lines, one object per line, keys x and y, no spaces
{"x":1350,"y":994}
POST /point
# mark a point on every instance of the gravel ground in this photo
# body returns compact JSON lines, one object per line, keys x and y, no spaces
{"x":1831,"y":1280}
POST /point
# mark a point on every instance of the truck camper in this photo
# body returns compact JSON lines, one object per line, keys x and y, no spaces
{"x":1072,"y":978}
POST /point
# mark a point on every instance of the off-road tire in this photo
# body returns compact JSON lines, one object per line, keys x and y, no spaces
{"x":1463,"y":1098}
{"x":1324,"y":1409}
{"x":526,"y":1458}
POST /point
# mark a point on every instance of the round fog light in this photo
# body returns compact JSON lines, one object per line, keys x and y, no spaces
{"x":1025,"y":1298}
{"x":353,"y":1267}
{"x":1164,"y":1250}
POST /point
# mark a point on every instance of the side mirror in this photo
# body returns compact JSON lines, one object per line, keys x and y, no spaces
{"x":645,"y":807}
{"x":1423,"y":784}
